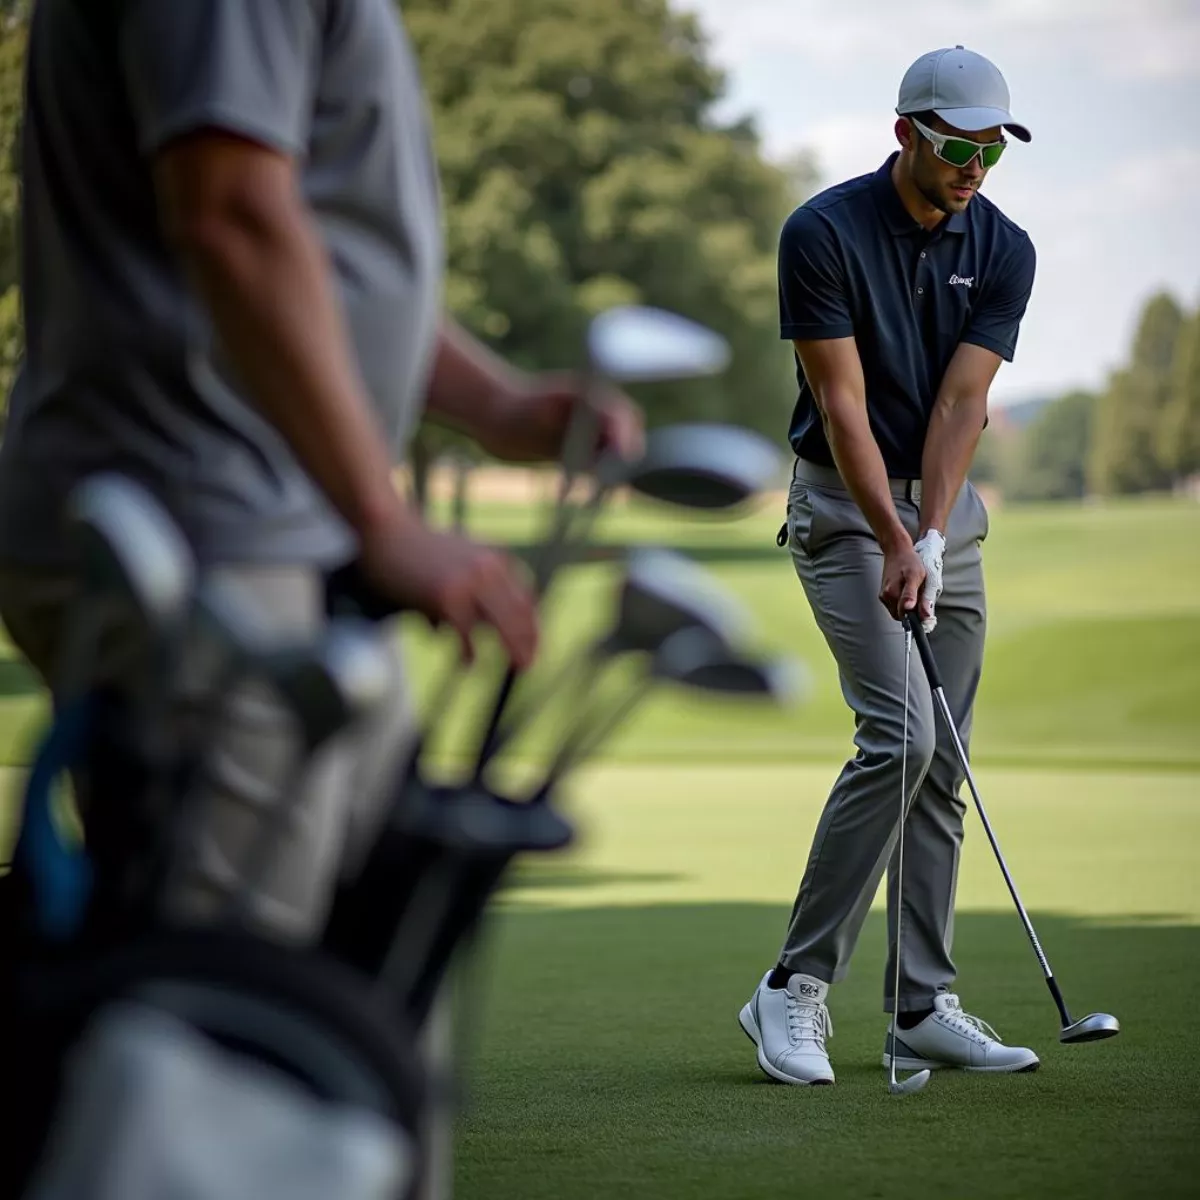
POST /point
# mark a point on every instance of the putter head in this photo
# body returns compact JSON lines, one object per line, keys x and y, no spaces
{"x":1095,"y":1027}
{"x":663,"y":593}
{"x":130,"y":548}
{"x":346,"y":676}
{"x":637,"y":344}
{"x":702,"y":466}
{"x":905,"y":1087}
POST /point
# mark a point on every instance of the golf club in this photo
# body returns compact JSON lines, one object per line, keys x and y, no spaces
{"x":625,"y":344}
{"x":661,"y":592}
{"x":1095,"y":1026}
{"x":693,"y":657}
{"x":714,"y":467}
{"x":916,"y":1081}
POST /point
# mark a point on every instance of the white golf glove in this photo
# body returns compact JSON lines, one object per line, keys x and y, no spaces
{"x":930,"y":549}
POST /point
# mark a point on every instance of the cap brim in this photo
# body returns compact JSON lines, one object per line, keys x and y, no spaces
{"x":971,"y":120}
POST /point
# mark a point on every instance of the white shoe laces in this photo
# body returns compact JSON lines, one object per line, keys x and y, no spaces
{"x":975,"y":1028}
{"x":808,"y":1022}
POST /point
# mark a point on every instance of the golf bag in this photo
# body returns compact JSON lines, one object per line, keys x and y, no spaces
{"x":108,"y":1018}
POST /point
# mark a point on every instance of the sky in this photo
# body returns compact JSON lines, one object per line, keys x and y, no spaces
{"x":1108,"y":189}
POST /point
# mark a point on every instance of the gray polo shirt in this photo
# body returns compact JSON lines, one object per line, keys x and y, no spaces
{"x":122,"y":368}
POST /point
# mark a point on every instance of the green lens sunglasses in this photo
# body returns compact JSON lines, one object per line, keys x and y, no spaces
{"x":959,"y":152}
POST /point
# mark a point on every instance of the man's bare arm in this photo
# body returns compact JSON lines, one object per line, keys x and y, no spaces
{"x":954,"y":429}
{"x":233,"y":211}
{"x":834,"y":372}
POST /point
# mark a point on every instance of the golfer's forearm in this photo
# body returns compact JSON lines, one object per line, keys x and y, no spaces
{"x":861,"y":466}
{"x":950,"y":443}
{"x":469,"y":386}
{"x":265,"y":279}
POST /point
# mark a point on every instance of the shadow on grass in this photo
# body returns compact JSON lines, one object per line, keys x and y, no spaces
{"x":606,"y":1060}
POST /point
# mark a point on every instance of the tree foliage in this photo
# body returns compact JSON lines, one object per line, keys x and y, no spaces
{"x":1124,"y":456}
{"x":1050,"y":459}
{"x":582,"y":167}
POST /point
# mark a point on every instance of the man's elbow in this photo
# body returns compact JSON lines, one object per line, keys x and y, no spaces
{"x":220,"y":198}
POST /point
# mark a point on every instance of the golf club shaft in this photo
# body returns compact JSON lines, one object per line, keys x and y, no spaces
{"x":939,"y":697}
{"x":580,"y":745}
{"x":900,"y":855}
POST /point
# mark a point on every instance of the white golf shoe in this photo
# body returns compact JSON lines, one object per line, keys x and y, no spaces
{"x":951,"y":1038}
{"x":789,"y":1026}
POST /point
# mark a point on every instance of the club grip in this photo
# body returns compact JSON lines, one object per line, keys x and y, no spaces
{"x":912,"y":620}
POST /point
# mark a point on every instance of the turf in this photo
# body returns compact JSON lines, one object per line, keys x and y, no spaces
{"x":606,"y":1059}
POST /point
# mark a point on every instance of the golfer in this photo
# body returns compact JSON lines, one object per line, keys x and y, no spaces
{"x":902,"y":292}
{"x":232,"y":280}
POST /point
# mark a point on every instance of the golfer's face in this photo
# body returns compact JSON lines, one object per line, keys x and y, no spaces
{"x":945,"y":186}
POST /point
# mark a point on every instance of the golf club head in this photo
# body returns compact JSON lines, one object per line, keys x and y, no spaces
{"x":638,"y":344}
{"x":701,"y":466}
{"x":664,"y":592}
{"x":329,"y":686}
{"x":1095,"y":1027}
{"x":715,"y":668}
{"x":128,"y":546}
{"x":905,"y":1087}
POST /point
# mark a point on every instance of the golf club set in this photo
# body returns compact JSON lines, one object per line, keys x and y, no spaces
{"x":90,"y":946}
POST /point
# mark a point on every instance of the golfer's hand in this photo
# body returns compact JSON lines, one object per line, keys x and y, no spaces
{"x":455,"y":582}
{"x":903,"y":575}
{"x":930,"y":549}
{"x":532,"y":422}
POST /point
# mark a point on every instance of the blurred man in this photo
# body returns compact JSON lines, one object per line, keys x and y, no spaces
{"x":902,"y":292}
{"x":232,"y":270}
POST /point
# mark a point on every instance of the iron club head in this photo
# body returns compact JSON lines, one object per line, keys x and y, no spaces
{"x":905,"y":1087}
{"x":638,"y":344}
{"x":1095,"y":1027}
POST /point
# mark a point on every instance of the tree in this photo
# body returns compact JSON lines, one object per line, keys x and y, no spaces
{"x":582,"y":167}
{"x":1179,"y":431}
{"x":1124,"y":455}
{"x":1050,"y":459}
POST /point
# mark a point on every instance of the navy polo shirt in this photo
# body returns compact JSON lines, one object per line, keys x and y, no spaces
{"x":853,"y":262}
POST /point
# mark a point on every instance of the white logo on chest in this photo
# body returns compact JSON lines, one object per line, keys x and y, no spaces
{"x":963,"y":281}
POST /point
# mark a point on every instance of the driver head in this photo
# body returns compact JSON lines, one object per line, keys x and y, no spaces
{"x":663,"y":592}
{"x":702,"y":466}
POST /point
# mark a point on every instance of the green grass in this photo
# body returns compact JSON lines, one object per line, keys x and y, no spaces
{"x":604,"y":1055}
{"x":606,"y":1060}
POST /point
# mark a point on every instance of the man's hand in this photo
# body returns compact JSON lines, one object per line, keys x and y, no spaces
{"x":903,"y":575}
{"x":530,"y":420}
{"x":455,"y":582}
{"x":930,"y":548}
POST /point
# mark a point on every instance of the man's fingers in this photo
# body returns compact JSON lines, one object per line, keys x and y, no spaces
{"x":509,"y":608}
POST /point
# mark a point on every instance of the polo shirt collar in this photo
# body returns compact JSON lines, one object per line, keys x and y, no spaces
{"x":895,"y":215}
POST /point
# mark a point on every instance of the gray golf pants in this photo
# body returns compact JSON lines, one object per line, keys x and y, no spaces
{"x":840,"y":565}
{"x":333,"y":809}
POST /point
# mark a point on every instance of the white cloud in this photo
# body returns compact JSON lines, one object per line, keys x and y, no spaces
{"x":1129,"y":39}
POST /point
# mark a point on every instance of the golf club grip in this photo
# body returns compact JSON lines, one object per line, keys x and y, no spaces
{"x":912,"y":619}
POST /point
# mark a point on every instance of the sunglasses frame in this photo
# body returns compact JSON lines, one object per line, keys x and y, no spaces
{"x":939,"y":140}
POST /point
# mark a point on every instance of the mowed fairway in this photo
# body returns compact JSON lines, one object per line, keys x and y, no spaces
{"x":603,"y":1056}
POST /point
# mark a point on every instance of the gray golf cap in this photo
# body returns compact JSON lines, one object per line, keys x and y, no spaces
{"x":965,"y":89}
